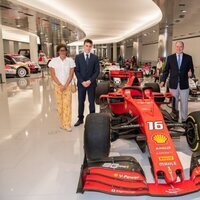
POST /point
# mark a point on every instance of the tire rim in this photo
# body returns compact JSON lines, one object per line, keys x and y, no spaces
{"x":22,"y":72}
{"x":191,"y":136}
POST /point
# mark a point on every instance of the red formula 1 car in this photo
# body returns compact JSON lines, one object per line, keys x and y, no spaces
{"x":115,"y":79}
{"x":136,"y":113}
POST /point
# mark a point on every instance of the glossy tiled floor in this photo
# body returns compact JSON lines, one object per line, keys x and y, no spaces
{"x":38,"y":161}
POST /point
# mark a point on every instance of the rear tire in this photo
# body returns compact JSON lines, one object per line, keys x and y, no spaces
{"x":102,"y":88}
{"x":97,"y":136}
{"x":155,"y":86}
{"x":193,"y":131}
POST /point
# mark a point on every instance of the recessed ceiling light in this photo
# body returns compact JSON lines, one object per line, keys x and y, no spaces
{"x":184,"y":11}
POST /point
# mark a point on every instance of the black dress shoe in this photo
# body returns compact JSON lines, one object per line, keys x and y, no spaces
{"x":79,"y":122}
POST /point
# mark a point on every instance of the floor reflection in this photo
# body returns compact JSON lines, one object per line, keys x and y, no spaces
{"x":39,"y":161}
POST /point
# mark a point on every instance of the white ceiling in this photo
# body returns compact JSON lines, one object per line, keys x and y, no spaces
{"x":14,"y":34}
{"x":190,"y":24}
{"x":103,"y":21}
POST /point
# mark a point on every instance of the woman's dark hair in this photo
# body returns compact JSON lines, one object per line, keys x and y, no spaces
{"x":88,"y":41}
{"x":61,"y":46}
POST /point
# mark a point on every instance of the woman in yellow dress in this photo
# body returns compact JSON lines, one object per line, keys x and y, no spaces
{"x":62,"y":72}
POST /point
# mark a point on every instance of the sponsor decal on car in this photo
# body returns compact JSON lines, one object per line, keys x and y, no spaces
{"x":162,"y":153}
{"x":162,"y":164}
{"x":173,"y":190}
{"x":125,"y":176}
{"x":159,"y":138}
{"x":115,"y":165}
{"x":163,"y":148}
{"x":166,"y":158}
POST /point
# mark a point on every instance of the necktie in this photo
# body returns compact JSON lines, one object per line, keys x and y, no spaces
{"x":179,"y":61}
{"x":87,"y":59}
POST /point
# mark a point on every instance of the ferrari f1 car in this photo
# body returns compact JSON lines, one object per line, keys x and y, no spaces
{"x":136,"y":113}
{"x":114,"y":79}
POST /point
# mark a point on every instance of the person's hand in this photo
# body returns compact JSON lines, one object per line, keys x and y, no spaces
{"x":62,"y":88}
{"x":88,"y":83}
{"x":190,"y":73}
{"x":84,"y":84}
{"x":162,"y":84}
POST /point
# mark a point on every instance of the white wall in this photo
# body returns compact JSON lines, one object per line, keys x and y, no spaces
{"x":23,"y":45}
{"x":192,"y":47}
{"x":129,"y":52}
{"x":6,"y":46}
{"x":13,"y":46}
{"x":149,"y":52}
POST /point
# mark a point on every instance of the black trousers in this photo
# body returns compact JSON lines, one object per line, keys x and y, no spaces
{"x":81,"y":99}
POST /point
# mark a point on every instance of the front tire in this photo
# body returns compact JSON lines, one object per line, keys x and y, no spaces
{"x":102,"y":88}
{"x":97,"y":136}
{"x":193,"y":131}
{"x":21,"y":72}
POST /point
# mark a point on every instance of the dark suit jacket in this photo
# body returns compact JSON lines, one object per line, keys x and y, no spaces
{"x":84,"y":72}
{"x":176,"y":75}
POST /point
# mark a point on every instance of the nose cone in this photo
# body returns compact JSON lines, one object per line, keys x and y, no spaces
{"x":171,"y":176}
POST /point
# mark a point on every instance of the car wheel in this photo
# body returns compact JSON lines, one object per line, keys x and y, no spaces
{"x":193,"y":131}
{"x":21,"y":72}
{"x":155,"y":86}
{"x":102,"y":88}
{"x":97,"y":136}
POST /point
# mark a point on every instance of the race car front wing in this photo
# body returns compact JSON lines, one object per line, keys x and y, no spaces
{"x":123,"y":175}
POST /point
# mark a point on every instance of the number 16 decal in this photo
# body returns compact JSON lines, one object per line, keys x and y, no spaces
{"x":158,"y":125}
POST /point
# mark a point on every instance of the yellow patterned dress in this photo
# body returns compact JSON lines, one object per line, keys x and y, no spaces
{"x":64,"y":105}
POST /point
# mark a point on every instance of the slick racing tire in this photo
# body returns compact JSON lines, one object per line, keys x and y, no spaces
{"x":155,"y":86}
{"x":102,"y":88}
{"x":193,"y":131}
{"x":97,"y":136}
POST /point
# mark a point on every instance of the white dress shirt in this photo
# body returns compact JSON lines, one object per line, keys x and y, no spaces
{"x":85,"y":55}
{"x":62,"y":68}
{"x":181,"y":57}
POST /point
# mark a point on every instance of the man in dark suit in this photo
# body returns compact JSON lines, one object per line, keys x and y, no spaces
{"x":86,"y":70}
{"x":180,"y":67}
